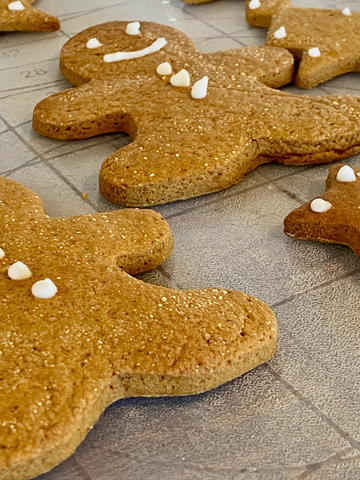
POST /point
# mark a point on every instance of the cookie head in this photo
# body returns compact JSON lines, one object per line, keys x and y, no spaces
{"x":95,"y":52}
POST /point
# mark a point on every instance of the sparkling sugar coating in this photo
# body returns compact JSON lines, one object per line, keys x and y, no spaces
{"x":340,"y":224}
{"x":105,"y":335}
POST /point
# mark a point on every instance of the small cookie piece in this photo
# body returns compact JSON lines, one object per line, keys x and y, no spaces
{"x":21,"y":16}
{"x":261,"y":13}
{"x":326,"y":43}
{"x":183,"y":146}
{"x":258,"y":12}
{"x":333,"y":217}
{"x":80,"y":332}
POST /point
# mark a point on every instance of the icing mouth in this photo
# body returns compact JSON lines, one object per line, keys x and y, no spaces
{"x":118,"y":56}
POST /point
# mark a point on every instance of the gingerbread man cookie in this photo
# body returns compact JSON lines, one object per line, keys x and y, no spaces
{"x":77,"y":332}
{"x":333,"y":217}
{"x":199,"y":121}
{"x":326,"y":43}
{"x":22,"y":16}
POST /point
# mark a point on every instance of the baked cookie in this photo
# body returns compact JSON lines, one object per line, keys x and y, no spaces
{"x":21,"y":16}
{"x":326,"y":43}
{"x":185,"y":146}
{"x":259,"y":13}
{"x":333,"y":217}
{"x":77,"y":332}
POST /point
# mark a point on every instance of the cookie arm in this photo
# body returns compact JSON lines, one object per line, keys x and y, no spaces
{"x":134,"y":240}
{"x":92,"y":109}
{"x":168,"y":165}
{"x":273,"y":67}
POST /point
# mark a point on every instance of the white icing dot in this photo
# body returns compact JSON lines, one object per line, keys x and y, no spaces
{"x":44,"y":288}
{"x":346,"y":174}
{"x":281,"y":33}
{"x":16,"y":6}
{"x":133,"y":28}
{"x":2,"y":253}
{"x":164,"y":69}
{"x":181,"y":79}
{"x":199,"y":90}
{"x":346,"y":11}
{"x":320,"y":206}
{"x":254,"y":4}
{"x":314,"y":52}
{"x":93,"y":43}
{"x":154,"y":47}
{"x":19,"y":271}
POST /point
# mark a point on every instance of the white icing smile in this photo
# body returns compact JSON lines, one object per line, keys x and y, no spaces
{"x":118,"y":56}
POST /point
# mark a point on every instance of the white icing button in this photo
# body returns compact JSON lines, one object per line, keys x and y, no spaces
{"x":199,"y":90}
{"x":314,"y":52}
{"x":181,"y":79}
{"x":19,"y":271}
{"x":133,"y":28}
{"x":154,"y":47}
{"x":93,"y":43}
{"x":281,"y":33}
{"x":346,"y":11}
{"x":346,"y":174}
{"x":2,"y":253}
{"x":44,"y":288}
{"x":16,"y":6}
{"x":254,"y":4}
{"x":320,"y":206}
{"x":164,"y":69}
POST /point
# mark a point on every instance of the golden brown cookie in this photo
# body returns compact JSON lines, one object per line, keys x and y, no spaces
{"x":326,"y":43}
{"x":101,"y":334}
{"x":21,"y":16}
{"x":259,"y":13}
{"x":333,"y":217}
{"x":185,"y":146}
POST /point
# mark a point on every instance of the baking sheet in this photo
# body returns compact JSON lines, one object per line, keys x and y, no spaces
{"x":297,"y":416}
